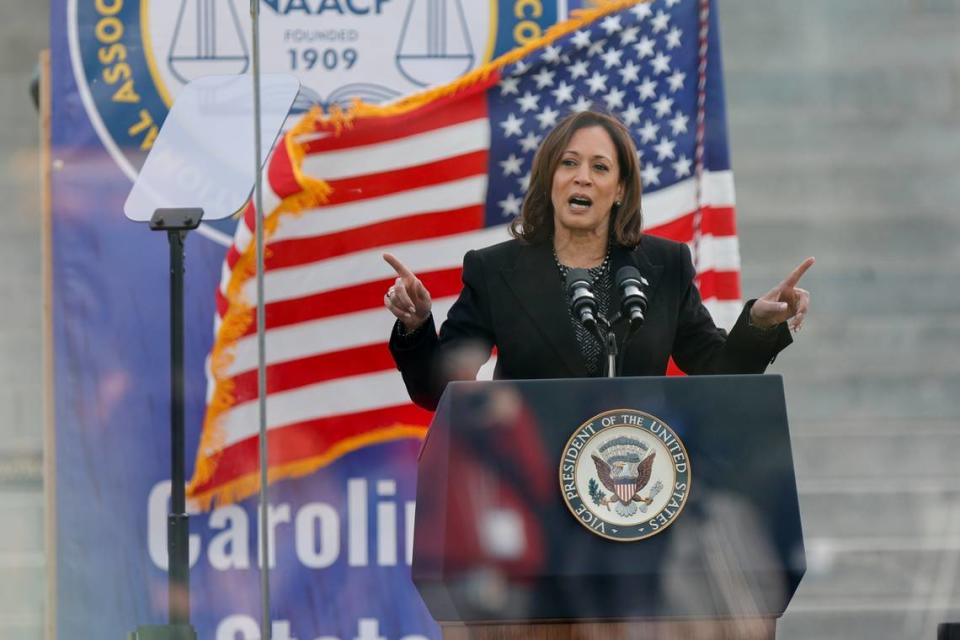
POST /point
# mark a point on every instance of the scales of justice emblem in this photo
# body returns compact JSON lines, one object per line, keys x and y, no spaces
{"x":625,"y":475}
{"x":208,"y":39}
{"x":131,"y":59}
{"x":434,"y":43}
{"x":434,"y":46}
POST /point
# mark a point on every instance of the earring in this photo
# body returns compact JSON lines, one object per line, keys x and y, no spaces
{"x":618,"y":203}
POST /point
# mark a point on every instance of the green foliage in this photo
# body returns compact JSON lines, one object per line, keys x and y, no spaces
{"x":595,"y":493}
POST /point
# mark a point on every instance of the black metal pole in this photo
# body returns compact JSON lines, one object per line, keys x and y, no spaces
{"x":177,"y":521}
{"x":176,"y":222}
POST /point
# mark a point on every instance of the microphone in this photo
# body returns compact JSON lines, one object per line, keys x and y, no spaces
{"x":582,"y":300}
{"x":633,"y":300}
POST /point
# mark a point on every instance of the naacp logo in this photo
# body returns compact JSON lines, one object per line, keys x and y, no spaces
{"x":132,"y":57}
{"x":625,"y":475}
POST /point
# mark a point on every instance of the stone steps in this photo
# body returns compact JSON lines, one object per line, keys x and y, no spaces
{"x":909,"y":452}
{"x":21,"y":511}
{"x":890,"y":619}
{"x":855,"y":396}
{"x":891,"y":573}
{"x":893,"y":512}
{"x":844,"y":137}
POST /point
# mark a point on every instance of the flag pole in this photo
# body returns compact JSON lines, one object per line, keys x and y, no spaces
{"x":261,"y":341}
{"x":703,"y":41}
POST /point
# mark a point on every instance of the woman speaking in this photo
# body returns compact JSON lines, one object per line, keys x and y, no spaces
{"x":582,"y":211}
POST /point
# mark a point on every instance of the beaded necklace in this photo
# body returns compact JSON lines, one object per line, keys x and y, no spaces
{"x":588,"y":345}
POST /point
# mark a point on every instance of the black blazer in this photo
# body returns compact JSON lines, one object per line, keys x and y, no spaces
{"x":513,"y":299}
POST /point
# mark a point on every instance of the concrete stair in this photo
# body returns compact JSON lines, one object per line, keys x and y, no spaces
{"x":844,"y":131}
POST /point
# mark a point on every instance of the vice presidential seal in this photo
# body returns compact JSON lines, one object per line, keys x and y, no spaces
{"x":625,"y":475}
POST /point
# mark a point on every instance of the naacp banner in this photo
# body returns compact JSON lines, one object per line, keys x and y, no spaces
{"x":341,"y":509}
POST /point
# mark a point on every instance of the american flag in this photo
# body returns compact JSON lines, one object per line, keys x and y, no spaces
{"x":427,"y":179}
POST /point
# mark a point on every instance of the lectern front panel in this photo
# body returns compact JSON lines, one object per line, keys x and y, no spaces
{"x":694,"y":515}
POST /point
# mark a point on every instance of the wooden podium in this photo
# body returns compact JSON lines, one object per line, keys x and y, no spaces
{"x":499,"y":553}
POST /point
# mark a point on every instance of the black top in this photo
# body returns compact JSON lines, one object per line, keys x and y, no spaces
{"x":509,"y":300}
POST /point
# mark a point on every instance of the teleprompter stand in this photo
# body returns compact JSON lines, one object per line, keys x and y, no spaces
{"x":176,"y":222}
{"x":198,"y":171}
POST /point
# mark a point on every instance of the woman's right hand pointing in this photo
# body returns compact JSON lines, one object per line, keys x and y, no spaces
{"x":407,"y":298}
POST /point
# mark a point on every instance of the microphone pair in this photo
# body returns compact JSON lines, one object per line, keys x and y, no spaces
{"x":630,"y":285}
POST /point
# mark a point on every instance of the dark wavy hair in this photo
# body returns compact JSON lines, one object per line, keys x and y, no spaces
{"x":535,"y":222}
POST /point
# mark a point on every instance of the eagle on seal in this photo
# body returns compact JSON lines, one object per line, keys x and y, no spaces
{"x":624,"y":471}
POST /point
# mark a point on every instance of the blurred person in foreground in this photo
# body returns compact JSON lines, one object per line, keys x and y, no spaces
{"x":583,"y":210}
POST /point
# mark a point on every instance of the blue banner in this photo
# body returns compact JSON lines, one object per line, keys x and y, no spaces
{"x":341,"y":539}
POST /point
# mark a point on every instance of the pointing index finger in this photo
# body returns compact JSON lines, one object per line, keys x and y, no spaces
{"x":792,"y":279}
{"x":398,"y":266}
